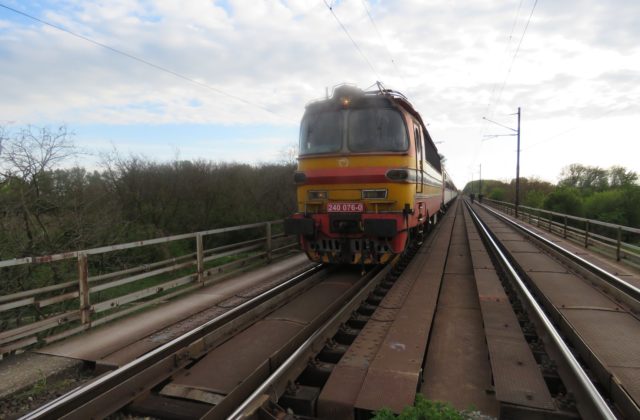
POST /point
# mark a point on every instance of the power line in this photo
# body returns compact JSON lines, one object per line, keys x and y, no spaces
{"x":506,"y":48}
{"x":143,"y":61}
{"x":513,"y":59}
{"x":524,"y":32}
{"x":495,"y":85}
{"x":384,"y":43}
{"x":355,"y":44}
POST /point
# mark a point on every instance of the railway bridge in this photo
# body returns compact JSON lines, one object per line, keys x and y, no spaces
{"x":500,"y":317}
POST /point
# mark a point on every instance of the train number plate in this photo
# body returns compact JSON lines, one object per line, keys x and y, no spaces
{"x":345,"y":207}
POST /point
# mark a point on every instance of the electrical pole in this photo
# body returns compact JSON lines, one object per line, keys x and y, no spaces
{"x":472,"y":180}
{"x":518,"y":168}
{"x":480,"y":186}
{"x":516,"y":133}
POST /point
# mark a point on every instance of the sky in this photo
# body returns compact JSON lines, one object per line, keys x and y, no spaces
{"x":229,"y":80}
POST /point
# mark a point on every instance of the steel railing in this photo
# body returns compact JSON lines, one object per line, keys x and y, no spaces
{"x":617,"y":241}
{"x":41,"y":315}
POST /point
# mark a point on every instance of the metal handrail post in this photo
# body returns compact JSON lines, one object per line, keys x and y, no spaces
{"x":83,"y":289}
{"x":200,"y":258}
{"x":586,"y":234}
{"x":619,"y":243}
{"x":268,"y":241}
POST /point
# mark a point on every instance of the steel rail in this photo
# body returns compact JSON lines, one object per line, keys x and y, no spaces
{"x":600,"y":405}
{"x":250,"y":403}
{"x":612,"y":279}
{"x":84,"y":394}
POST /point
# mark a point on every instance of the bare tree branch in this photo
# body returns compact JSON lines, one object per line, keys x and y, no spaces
{"x":33,"y":150}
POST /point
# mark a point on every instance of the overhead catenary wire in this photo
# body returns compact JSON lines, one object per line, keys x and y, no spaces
{"x":506,"y":49}
{"x":355,"y":44}
{"x":144,"y":61}
{"x":515,"y":54}
{"x":506,"y":78}
{"x":495,"y":85}
{"x":384,"y":43}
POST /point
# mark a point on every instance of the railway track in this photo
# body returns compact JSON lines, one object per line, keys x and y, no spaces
{"x":533,"y":372}
{"x":588,"y":315}
{"x":375,"y":360}
{"x":242,"y":346}
{"x":115,"y":389}
{"x":478,"y":315}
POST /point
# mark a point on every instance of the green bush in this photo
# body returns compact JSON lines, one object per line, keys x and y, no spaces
{"x":620,"y":206}
{"x":497,"y":194}
{"x":423,"y":409}
{"x":534,"y":198}
{"x":565,"y":200}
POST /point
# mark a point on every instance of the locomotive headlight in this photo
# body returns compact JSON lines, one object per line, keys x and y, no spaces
{"x":374,"y":194}
{"x":317,"y":195}
{"x":397,"y":175}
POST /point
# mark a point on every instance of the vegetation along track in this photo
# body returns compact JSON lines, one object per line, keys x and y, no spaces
{"x":585,"y":316}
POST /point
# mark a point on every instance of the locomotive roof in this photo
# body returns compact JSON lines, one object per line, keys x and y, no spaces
{"x":358,"y":98}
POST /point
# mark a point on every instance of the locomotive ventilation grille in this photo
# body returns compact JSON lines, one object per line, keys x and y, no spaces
{"x":355,"y":245}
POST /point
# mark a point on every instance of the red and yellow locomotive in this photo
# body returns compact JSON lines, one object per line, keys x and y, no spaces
{"x":369,"y":177}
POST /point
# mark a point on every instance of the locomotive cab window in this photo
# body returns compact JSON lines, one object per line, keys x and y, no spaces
{"x":365,"y":130}
{"x":377,"y":130}
{"x":321,"y":133}
{"x":418,"y":140}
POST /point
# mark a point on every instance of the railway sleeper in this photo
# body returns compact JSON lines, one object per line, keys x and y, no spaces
{"x":367,"y":309}
{"x":346,"y":334}
{"x":301,"y":399}
{"x":374,"y":300}
{"x":358,"y":320}
{"x":316,"y":373}
{"x":537,"y":349}
{"x":332,"y":352}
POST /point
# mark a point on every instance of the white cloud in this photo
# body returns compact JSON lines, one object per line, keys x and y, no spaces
{"x":579,"y":60}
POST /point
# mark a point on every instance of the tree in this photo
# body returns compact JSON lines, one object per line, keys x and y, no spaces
{"x":586,"y":178}
{"x":288,"y":155}
{"x":621,"y":177}
{"x":26,"y":160}
{"x":620,"y":206}
{"x":497,"y":194}
{"x":565,"y":200}
{"x":534,"y":198}
{"x":32,"y":151}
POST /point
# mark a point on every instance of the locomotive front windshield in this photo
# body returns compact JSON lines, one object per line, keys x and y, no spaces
{"x":357,"y":131}
{"x":376,"y":130}
{"x":321,"y":133}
